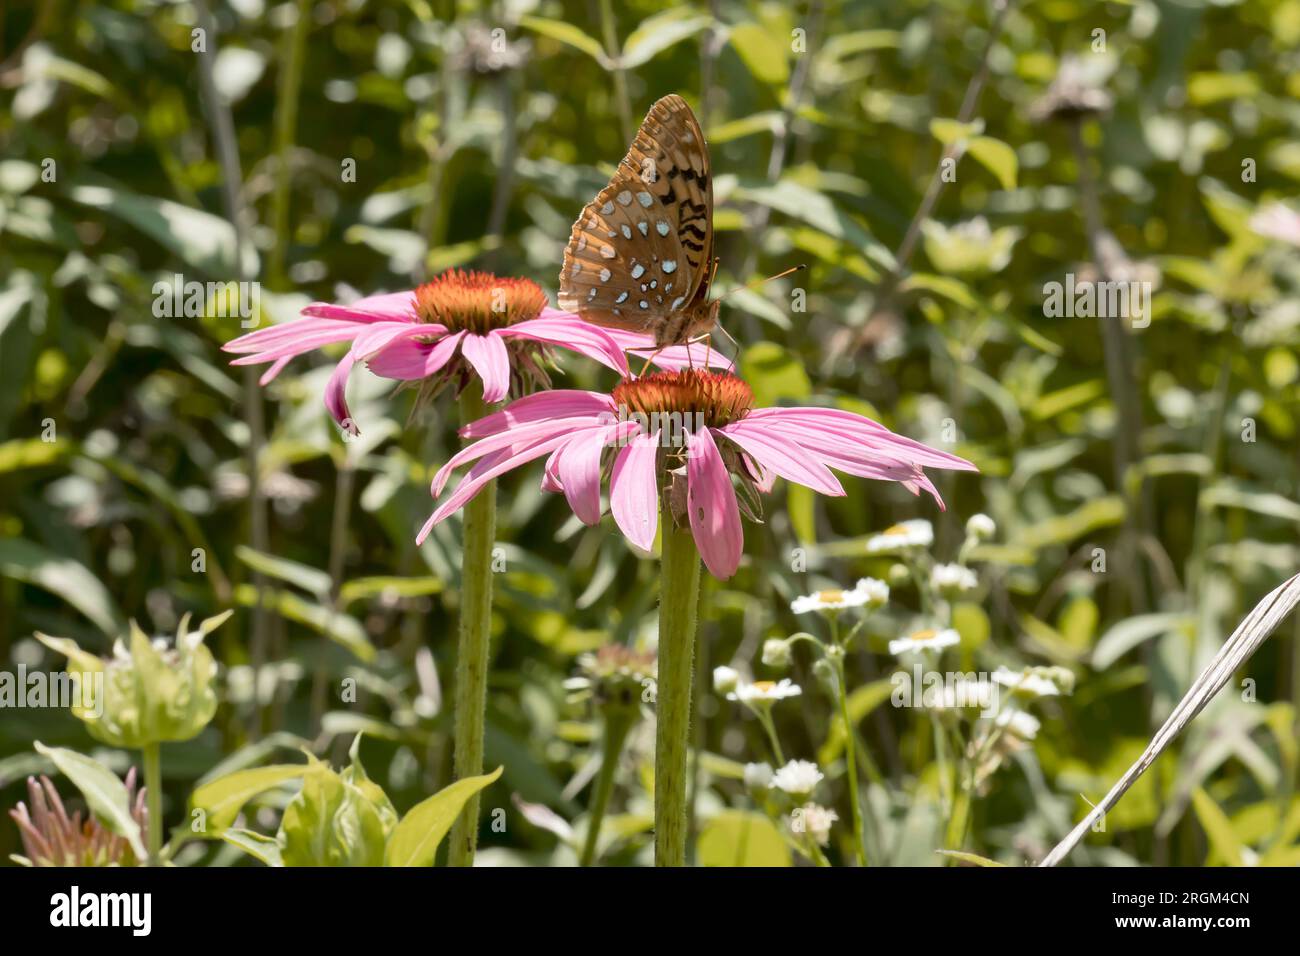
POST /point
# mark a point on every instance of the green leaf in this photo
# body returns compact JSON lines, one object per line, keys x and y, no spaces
{"x":106,"y":796}
{"x":997,"y":157}
{"x":1223,"y":840}
{"x":972,"y":858}
{"x":201,"y":239}
{"x":415,"y":839}
{"x":384,"y":586}
{"x":659,"y":32}
{"x":569,"y":35}
{"x":29,"y":453}
{"x":73,"y":582}
{"x":262,"y":847}
{"x":763,"y":55}
{"x":949,"y":131}
{"x":312,"y":580}
{"x":741,"y":838}
{"x":774,"y":374}
{"x":1132,"y":631}
{"x":223,"y":798}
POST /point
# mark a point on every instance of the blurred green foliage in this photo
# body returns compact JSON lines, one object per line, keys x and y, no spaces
{"x":382,"y":142}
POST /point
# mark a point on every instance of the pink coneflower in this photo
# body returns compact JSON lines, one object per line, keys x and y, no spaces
{"x":460,"y":325}
{"x":689,"y":433}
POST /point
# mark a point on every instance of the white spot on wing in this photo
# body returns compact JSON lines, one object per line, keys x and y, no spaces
{"x":624,"y":198}
{"x":661,"y":227}
{"x":669,"y":266}
{"x":644,"y":198}
{"x":637,"y":271}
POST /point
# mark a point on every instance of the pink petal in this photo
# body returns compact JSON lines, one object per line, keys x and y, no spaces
{"x":472,"y":484}
{"x":289,"y":339}
{"x":559,"y":403}
{"x":488,"y":355}
{"x":634,"y":491}
{"x":336,"y":394}
{"x":406,"y":360}
{"x":711,"y":502}
{"x":391,"y":306}
{"x":521,"y":436}
{"x":838,"y":425}
{"x":577,"y":466}
{"x":568,"y":331}
{"x":786,"y":458}
{"x":674,"y":357}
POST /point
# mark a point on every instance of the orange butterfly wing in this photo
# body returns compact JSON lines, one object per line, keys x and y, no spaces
{"x":638,"y":257}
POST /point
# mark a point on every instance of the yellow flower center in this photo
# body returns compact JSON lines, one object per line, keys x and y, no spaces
{"x":764,"y":686}
{"x":830,"y":597}
{"x":924,"y":635}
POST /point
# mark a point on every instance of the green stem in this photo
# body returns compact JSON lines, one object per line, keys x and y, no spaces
{"x":472,"y":650}
{"x":764,"y":714}
{"x":153,"y":794}
{"x":286,"y":124}
{"x":622,"y":101}
{"x":678,"y":597}
{"x":851,"y":759}
{"x":617,"y":726}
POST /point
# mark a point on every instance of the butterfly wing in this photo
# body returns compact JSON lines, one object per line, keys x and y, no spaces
{"x":640,"y":251}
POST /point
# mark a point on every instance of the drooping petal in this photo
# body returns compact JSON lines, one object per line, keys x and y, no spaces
{"x":407,"y":360}
{"x":578,"y":467}
{"x":568,"y":331}
{"x":470,"y":485}
{"x":788,"y":459}
{"x":634,"y":491}
{"x":711,"y":503}
{"x":488,"y":355}
{"x":336,"y":399}
{"x":558,"y":403}
{"x":563,"y":428}
{"x":379,"y":335}
{"x":837,"y":424}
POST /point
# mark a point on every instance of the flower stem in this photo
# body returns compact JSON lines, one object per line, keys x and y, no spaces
{"x":678,"y":597}
{"x":153,"y":794}
{"x":851,"y":761}
{"x":472,"y":650}
{"x":617,"y":726}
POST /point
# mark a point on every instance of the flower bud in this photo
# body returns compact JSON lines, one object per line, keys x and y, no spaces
{"x":147,"y":695}
{"x":776,"y":653}
{"x":980,"y":527}
{"x":337,"y":819}
{"x":725,"y":679}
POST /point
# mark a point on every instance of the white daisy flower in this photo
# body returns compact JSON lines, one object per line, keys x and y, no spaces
{"x":764,"y":692}
{"x":917,"y":533}
{"x":868,"y":592}
{"x":1035,"y":681}
{"x":980,"y":527}
{"x":815,"y":820}
{"x":1019,"y":723}
{"x":924,"y":640}
{"x":725,"y":679}
{"x":953,"y":579}
{"x":797,"y":778}
{"x":968,"y":693}
{"x":758,"y":776}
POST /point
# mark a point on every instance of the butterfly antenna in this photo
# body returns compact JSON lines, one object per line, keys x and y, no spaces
{"x":758,"y":282}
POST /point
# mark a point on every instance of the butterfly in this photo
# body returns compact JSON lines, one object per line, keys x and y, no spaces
{"x":639,"y":256}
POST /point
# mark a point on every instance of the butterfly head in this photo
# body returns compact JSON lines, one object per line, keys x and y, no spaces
{"x":692,"y":321}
